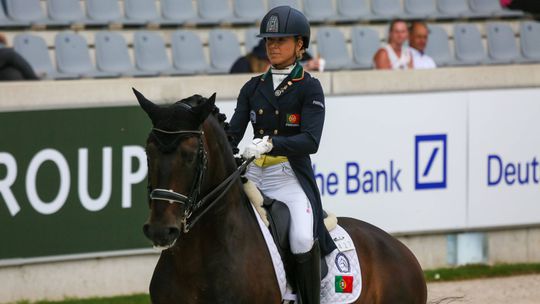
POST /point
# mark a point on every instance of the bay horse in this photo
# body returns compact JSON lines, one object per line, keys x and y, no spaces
{"x":215,"y":252}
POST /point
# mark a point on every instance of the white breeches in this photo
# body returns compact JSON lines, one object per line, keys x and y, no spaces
{"x":279,"y":182}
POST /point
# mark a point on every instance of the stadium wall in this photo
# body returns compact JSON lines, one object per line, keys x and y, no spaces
{"x":102,"y":265}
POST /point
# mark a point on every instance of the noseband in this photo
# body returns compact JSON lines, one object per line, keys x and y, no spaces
{"x":194,"y":208}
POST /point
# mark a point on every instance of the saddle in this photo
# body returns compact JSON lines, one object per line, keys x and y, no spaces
{"x":276,"y":216}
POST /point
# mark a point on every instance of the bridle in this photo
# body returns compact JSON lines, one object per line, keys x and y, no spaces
{"x":195,"y":208}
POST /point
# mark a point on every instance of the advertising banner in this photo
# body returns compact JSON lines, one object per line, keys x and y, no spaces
{"x":504,"y":166}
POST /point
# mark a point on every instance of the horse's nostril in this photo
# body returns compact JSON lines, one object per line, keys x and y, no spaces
{"x":146,"y":230}
{"x":174,"y":233}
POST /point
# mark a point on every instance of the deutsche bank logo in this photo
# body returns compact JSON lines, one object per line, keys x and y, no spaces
{"x":430,"y":159}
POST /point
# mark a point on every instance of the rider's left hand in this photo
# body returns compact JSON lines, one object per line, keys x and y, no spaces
{"x":257,"y":148}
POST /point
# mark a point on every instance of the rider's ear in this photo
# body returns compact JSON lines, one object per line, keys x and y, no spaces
{"x":149,"y":107}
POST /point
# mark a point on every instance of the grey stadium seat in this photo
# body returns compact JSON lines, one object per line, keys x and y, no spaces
{"x":332,"y":46}
{"x":224,"y":50}
{"x":319,"y":10}
{"x":250,"y":38}
{"x":112,"y":55}
{"x":26,"y":10}
{"x":141,"y":11}
{"x":291,"y":3}
{"x":468,"y":45}
{"x":151,"y":54}
{"x":530,"y":40}
{"x":249,"y":11}
{"x":178,"y":12}
{"x":388,"y":9}
{"x":354,"y":10}
{"x":7,"y":22}
{"x":365,"y":43}
{"x":491,"y":8}
{"x":420,"y":9}
{"x":454,"y":9}
{"x":215,"y":11}
{"x":438,"y":46}
{"x":67,"y":11}
{"x":104,"y":11}
{"x":187,"y":53}
{"x":72,"y":56}
{"x":502,"y":47}
{"x":35,"y":51}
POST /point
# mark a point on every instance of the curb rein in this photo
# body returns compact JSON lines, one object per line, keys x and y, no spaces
{"x":192,"y":205}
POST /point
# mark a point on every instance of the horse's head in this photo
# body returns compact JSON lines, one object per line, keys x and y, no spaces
{"x":177,"y":161}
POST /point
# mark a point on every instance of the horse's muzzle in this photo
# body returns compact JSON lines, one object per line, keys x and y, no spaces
{"x":161,"y":236}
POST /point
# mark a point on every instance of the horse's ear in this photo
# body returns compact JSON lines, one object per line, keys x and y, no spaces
{"x":149,"y":107}
{"x":206,"y":107}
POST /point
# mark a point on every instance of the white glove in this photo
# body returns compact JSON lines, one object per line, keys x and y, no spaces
{"x":257,"y":148}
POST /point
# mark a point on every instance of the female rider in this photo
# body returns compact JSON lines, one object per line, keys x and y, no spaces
{"x":286,"y":108}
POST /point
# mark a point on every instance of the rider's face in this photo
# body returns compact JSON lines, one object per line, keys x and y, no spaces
{"x":282,"y":51}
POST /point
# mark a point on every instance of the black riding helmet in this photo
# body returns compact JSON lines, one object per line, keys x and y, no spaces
{"x":285,"y":21}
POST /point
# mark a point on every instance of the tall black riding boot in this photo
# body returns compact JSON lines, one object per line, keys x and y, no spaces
{"x":308,"y":275}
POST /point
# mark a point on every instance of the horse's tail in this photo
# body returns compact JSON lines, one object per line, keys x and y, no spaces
{"x":447,"y":300}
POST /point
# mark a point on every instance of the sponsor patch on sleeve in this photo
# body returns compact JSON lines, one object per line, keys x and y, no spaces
{"x":318,"y":103}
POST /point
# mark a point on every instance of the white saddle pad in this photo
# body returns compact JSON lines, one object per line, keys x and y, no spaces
{"x":342,"y":284}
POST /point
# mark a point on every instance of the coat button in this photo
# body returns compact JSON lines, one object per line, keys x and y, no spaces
{"x":261,"y":131}
{"x":261,"y":112}
{"x":277,"y":112}
{"x":275,"y":132}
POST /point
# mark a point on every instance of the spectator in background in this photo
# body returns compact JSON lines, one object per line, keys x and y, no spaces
{"x":418,"y":36}
{"x":312,"y":64}
{"x":12,"y":65}
{"x":254,"y":62}
{"x":395,"y":55}
{"x":529,"y":6}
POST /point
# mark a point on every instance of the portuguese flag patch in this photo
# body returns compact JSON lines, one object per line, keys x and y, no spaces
{"x":293,"y":120}
{"x":344,"y":284}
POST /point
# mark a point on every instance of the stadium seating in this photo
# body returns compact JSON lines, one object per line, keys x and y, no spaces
{"x":420,"y":9}
{"x":490,"y":8}
{"x":112,"y":55}
{"x":319,"y":10}
{"x":454,"y":9}
{"x":468,"y":45}
{"x":291,"y":3}
{"x":250,"y":38}
{"x":72,"y":57}
{"x":333,"y":48}
{"x":187,"y":53}
{"x":388,"y":9}
{"x":354,"y":10}
{"x":249,"y":11}
{"x":35,"y":51}
{"x":29,"y":11}
{"x":141,"y":11}
{"x":502,"y":47}
{"x":178,"y":12}
{"x":530,"y":40}
{"x":365,"y":43}
{"x":224,"y":50}
{"x":104,"y":11}
{"x":438,"y":47}
{"x":151,"y":54}
{"x":179,"y":49}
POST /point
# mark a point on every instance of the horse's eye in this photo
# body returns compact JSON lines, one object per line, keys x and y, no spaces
{"x":187,"y":156}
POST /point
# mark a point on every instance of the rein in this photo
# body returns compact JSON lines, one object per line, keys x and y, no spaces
{"x":195,"y":209}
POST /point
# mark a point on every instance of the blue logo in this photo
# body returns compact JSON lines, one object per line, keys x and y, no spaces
{"x":430,"y":161}
{"x":342,"y":263}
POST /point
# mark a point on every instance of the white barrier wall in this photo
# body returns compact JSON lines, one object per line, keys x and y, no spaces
{"x":504,"y":137}
{"x":413,"y":163}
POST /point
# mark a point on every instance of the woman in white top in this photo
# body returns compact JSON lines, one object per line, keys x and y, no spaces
{"x":395,"y":55}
